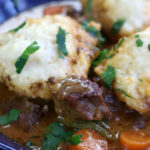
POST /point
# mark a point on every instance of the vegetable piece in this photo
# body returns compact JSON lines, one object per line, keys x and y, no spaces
{"x":55,"y":134}
{"x":75,"y":139}
{"x":123,"y":92}
{"x":139,"y":43}
{"x":149,"y":47}
{"x":18,"y":28}
{"x":118,"y":44}
{"x":101,"y":56}
{"x":134,"y":140}
{"x":91,"y":141}
{"x":21,"y":61}
{"x":61,"y":42}
{"x":117,"y":26}
{"x":108,"y":76}
{"x":93,"y":31}
{"x":89,"y":6}
{"x":12,"y":115}
{"x":87,"y":125}
{"x":53,"y":10}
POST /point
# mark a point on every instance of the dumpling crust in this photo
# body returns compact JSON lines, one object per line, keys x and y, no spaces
{"x":44,"y":67}
{"x":136,"y":14}
{"x":132,"y":64}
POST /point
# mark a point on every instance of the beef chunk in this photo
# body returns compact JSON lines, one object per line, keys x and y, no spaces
{"x":79,"y":98}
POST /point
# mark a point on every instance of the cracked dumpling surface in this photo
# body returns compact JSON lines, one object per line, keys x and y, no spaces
{"x":44,"y":67}
{"x":132,"y":63}
{"x":136,"y":14}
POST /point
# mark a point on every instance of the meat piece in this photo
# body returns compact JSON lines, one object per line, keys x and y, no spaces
{"x":79,"y":98}
{"x":30,"y":112}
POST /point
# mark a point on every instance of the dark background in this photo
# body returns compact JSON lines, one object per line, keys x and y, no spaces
{"x":9,"y":8}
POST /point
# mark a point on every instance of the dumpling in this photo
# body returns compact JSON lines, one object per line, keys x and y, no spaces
{"x":120,"y":17}
{"x":45,"y":67}
{"x":131,"y":61}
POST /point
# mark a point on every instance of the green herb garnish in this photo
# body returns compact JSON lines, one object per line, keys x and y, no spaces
{"x":101,"y":56}
{"x":18,"y":28}
{"x":139,"y":43}
{"x":75,"y":139}
{"x":140,"y":80}
{"x":57,"y":133}
{"x":12,"y":115}
{"x":61,"y":43}
{"x":118,"y":44}
{"x":108,"y":76}
{"x":117,"y":26}
{"x":89,"y":6}
{"x":137,"y":36}
{"x":21,"y":61}
{"x":149,"y":47}
{"x":123,"y":92}
{"x":93,"y":31}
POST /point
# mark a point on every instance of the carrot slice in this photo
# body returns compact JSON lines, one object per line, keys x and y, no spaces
{"x":134,"y":140}
{"x":91,"y":140}
{"x":53,"y":10}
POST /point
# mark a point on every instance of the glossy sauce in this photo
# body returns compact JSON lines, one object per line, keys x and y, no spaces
{"x":124,"y":120}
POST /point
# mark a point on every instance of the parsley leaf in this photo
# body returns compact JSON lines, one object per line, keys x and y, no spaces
{"x":139,"y":43}
{"x":123,"y":92}
{"x":56,"y":133}
{"x":75,"y":139}
{"x":21,"y":61}
{"x":12,"y":115}
{"x":118,"y":44}
{"x":101,"y":56}
{"x":149,"y":47}
{"x":93,"y":31}
{"x":61,"y":42}
{"x":108,"y":76}
{"x":137,"y":36}
{"x":117,"y":26}
{"x":18,"y":28}
{"x":89,"y":6}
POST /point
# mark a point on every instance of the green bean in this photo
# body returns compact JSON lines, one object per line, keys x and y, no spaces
{"x":87,"y":125}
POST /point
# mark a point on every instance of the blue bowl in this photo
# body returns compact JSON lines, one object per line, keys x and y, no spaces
{"x":9,"y":8}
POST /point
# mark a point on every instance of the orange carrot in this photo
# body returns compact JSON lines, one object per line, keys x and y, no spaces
{"x":134,"y":140}
{"x":91,"y":140}
{"x":53,"y":10}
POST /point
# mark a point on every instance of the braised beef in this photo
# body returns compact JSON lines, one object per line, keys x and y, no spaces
{"x":30,"y":112}
{"x":79,"y":98}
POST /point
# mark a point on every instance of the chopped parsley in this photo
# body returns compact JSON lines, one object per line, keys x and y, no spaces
{"x":149,"y":47}
{"x":61,"y":43}
{"x":137,"y":36}
{"x":117,"y":26}
{"x":109,"y":75}
{"x":93,"y":31}
{"x":140,"y":80}
{"x":139,"y":43}
{"x":55,"y":134}
{"x":12,"y":115}
{"x":89,"y":6}
{"x":21,"y":61}
{"x":101,"y":56}
{"x":18,"y":28}
{"x":118,"y":44}
{"x":75,"y":139}
{"x":123,"y":92}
